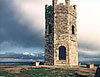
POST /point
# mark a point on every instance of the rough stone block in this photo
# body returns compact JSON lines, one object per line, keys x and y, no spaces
{"x":90,"y":65}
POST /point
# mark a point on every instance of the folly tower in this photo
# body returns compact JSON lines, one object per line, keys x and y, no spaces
{"x":61,"y":34}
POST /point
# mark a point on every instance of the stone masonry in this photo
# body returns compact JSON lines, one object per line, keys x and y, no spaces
{"x":61,"y":34}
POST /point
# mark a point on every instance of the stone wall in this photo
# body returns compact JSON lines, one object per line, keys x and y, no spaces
{"x":61,"y":18}
{"x":49,"y":35}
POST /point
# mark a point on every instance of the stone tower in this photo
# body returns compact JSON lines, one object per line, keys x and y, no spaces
{"x":61,"y":34}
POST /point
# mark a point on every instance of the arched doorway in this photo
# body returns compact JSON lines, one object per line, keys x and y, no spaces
{"x":62,"y":53}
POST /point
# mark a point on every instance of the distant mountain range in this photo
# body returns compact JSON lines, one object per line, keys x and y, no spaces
{"x":30,"y":57}
{"x":21,"y":57}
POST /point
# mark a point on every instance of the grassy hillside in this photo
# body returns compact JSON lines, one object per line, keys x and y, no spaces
{"x":39,"y":72}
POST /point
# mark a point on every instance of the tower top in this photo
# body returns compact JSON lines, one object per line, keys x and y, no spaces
{"x":57,"y":2}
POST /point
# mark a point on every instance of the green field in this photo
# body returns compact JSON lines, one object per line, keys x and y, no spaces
{"x":41,"y":72}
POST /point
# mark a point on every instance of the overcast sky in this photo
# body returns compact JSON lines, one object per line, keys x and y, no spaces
{"x":22,"y":25}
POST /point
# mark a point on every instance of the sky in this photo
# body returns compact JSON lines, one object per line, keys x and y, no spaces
{"x":22,"y":26}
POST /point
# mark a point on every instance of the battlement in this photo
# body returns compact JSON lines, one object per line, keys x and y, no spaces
{"x":61,"y":2}
{"x":63,"y":7}
{"x":64,"y":2}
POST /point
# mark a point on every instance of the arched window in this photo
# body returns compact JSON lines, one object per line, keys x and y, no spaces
{"x":62,"y":53}
{"x":73,"y":31}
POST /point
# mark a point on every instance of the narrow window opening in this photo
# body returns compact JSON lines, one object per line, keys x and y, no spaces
{"x":73,"y":31}
{"x":50,"y":29}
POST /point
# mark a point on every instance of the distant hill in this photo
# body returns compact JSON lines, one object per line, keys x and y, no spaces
{"x":30,"y":57}
{"x":20,"y":57}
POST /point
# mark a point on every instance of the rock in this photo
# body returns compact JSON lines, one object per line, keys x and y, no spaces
{"x":97,"y":72}
{"x":90,"y":65}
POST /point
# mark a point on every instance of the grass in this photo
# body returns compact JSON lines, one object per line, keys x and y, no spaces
{"x":40,"y":72}
{"x":43,"y":72}
{"x":8,"y":67}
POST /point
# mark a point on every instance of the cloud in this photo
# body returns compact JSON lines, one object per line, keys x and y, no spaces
{"x":22,"y":24}
{"x":88,"y":27}
{"x":88,"y":48}
{"x":31,"y":13}
{"x":27,"y":53}
{"x":88,"y":53}
{"x":95,"y":61}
